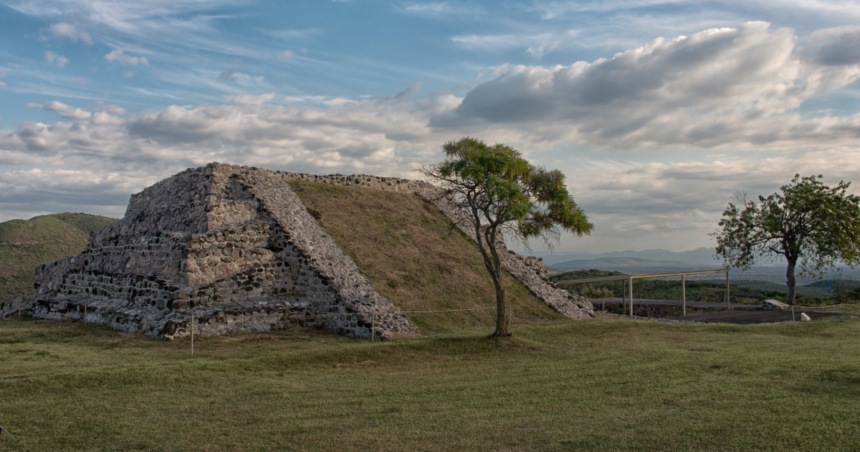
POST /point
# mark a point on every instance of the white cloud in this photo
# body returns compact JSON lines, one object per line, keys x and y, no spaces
{"x":52,"y":57}
{"x":537,"y":52}
{"x":249,"y":100}
{"x":439,"y":9}
{"x":113,"y":109}
{"x":128,"y":17}
{"x":25,"y":193}
{"x":63,"y":110}
{"x":286,"y":55}
{"x":553,"y":9}
{"x":715,"y":112}
{"x":536,"y":44}
{"x":67,"y":30}
{"x":491,"y":42}
{"x":684,"y":201}
{"x":2,"y":74}
{"x":126,"y":60}
{"x":718,"y":87}
{"x":295,"y":34}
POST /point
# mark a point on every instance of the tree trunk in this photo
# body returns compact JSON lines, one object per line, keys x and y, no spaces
{"x":791,"y":282}
{"x":501,"y":312}
{"x":487,"y":245}
{"x":495,"y":267}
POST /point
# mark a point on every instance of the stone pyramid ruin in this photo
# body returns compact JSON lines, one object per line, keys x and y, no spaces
{"x":236,"y":248}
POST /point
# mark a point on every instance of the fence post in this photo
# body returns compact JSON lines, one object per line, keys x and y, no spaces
{"x":623,"y":296}
{"x":630,"y":282}
{"x":728,"y":303}
{"x":684,"y":294}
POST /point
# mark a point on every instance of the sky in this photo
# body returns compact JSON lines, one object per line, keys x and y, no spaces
{"x":659,"y":113}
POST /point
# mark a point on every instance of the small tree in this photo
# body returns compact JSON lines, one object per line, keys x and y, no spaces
{"x":503,"y":194}
{"x":808,"y":222}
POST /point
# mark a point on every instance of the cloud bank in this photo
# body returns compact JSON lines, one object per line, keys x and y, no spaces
{"x":718,"y":111}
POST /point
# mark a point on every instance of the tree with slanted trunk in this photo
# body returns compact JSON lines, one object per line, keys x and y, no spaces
{"x":808,"y":223}
{"x":504,"y":195}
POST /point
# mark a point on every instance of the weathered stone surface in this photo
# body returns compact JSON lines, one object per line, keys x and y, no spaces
{"x":235,"y":247}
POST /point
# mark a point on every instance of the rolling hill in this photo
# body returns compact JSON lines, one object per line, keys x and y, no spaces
{"x":24,"y":244}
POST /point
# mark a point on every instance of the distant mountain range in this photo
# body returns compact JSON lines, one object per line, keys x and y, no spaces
{"x":626,"y":262}
{"x":700,"y":256}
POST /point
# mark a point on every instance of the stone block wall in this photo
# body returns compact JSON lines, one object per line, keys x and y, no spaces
{"x":356,"y":294}
{"x":235,"y":247}
{"x":232,"y":246}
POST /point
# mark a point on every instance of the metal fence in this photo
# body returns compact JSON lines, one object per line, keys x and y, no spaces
{"x":628,"y":283}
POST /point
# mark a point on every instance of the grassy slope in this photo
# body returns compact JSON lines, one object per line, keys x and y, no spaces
{"x":604,"y":384}
{"x":408,"y":250}
{"x":24,"y":244}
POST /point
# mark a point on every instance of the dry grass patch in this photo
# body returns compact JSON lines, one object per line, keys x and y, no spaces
{"x":407,"y":248}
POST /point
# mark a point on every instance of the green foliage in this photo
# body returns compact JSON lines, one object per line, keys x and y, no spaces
{"x":807,"y":223}
{"x":588,"y":291}
{"x":498,"y":187}
{"x":503,"y":194}
{"x":25,"y":244}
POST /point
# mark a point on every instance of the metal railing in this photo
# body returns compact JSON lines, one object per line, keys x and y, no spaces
{"x":628,"y":283}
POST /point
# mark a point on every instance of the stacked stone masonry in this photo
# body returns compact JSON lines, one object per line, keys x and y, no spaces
{"x":235,"y":247}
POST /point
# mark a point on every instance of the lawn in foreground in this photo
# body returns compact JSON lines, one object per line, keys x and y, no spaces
{"x":600,"y":384}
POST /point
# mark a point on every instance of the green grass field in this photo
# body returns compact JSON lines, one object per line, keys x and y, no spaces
{"x":603,"y":384}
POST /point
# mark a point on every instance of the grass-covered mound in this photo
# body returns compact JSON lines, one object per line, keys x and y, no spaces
{"x":407,"y":248}
{"x":605,"y":384}
{"x":25,"y":244}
